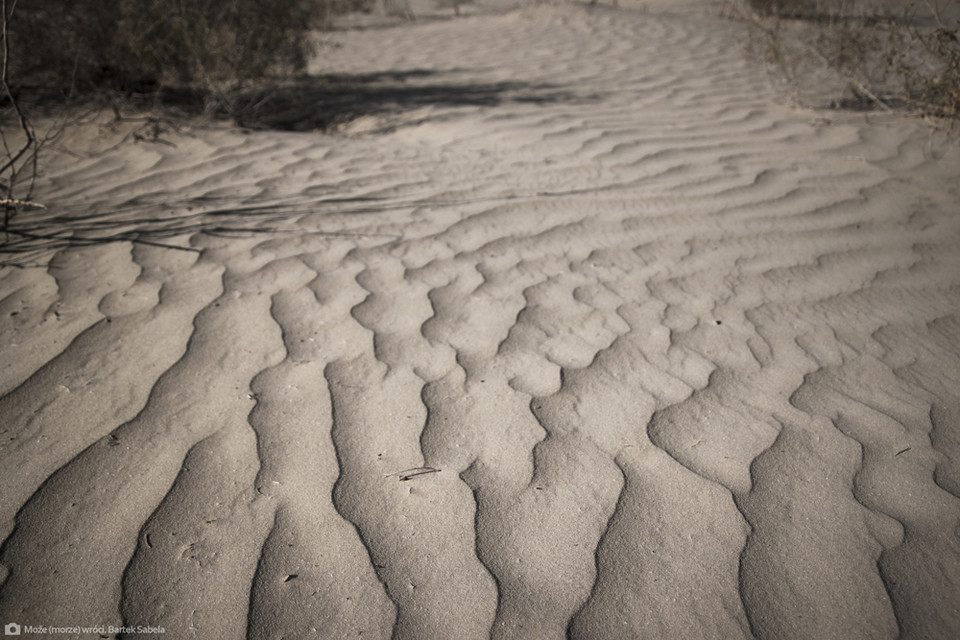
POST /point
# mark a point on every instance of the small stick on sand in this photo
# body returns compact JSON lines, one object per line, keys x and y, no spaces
{"x":12,"y":202}
{"x":407,"y":474}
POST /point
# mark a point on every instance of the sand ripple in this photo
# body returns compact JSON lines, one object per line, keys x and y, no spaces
{"x":613,"y":346}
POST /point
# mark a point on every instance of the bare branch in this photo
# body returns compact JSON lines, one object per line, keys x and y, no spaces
{"x":16,"y":161}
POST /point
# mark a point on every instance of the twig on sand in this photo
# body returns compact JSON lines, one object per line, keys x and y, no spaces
{"x":11,"y":206}
{"x":407,"y":474}
{"x":12,"y":202}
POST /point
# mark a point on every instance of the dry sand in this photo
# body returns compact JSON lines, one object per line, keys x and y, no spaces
{"x":677,"y":359}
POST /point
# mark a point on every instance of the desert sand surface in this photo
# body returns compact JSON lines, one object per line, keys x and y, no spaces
{"x":581,"y":330}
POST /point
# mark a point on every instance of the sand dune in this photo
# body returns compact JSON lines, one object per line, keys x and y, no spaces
{"x":582,"y":331}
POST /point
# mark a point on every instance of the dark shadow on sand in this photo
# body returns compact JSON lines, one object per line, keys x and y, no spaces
{"x":33,"y":238}
{"x":317,"y":103}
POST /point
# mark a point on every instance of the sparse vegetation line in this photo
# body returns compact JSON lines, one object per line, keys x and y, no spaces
{"x":907,"y":60}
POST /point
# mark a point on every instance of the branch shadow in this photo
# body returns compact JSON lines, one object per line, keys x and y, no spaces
{"x":31,"y":242}
{"x":321,"y":102}
{"x":27,"y":242}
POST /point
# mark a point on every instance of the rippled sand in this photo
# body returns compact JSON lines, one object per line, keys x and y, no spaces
{"x":583,"y":333}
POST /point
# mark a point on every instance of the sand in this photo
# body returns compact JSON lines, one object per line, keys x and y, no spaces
{"x":584,"y":330}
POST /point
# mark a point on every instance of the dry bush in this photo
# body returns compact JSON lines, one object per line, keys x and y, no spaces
{"x":84,"y":46}
{"x":887,"y":56}
{"x":927,"y":59}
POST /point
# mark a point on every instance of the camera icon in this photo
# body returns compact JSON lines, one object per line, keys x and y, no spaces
{"x":11,"y":629}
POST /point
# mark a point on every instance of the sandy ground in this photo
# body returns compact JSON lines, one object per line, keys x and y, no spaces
{"x":581,"y":332}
